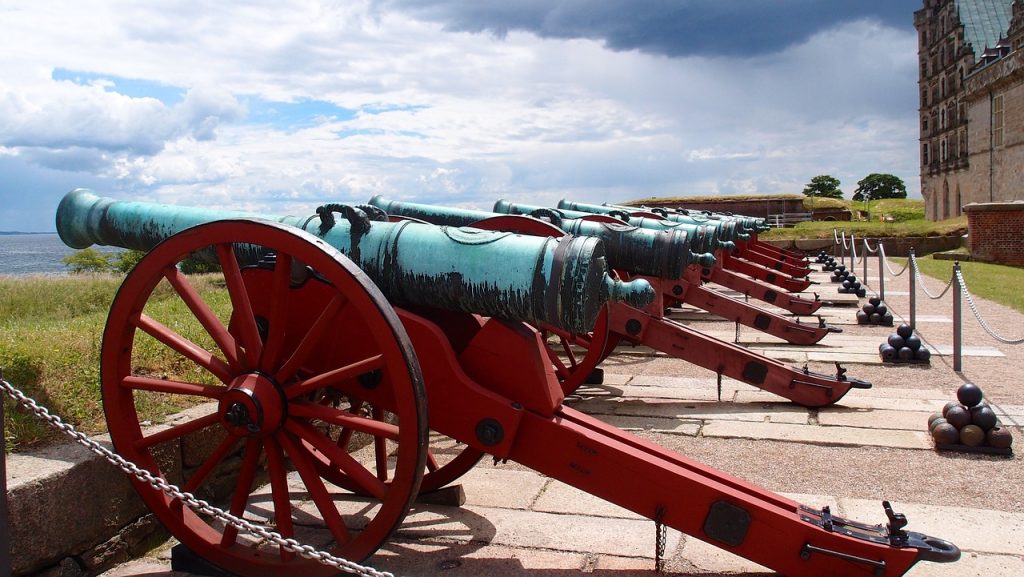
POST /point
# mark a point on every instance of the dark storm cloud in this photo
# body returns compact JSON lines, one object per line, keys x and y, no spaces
{"x":666,"y":27}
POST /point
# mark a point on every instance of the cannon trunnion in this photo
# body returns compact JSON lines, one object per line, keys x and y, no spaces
{"x":324,"y":392}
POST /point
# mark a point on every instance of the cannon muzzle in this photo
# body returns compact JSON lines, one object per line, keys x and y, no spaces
{"x":726,"y":230}
{"x":562,"y":282}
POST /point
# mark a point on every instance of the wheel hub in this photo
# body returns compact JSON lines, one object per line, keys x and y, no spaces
{"x":253,"y":406}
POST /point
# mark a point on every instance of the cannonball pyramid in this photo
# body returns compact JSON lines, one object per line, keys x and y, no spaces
{"x":969,"y":424}
{"x":904,"y":346}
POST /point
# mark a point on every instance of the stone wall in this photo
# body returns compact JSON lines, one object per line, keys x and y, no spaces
{"x":922,"y":245}
{"x":996,"y":232}
{"x":72,"y":514}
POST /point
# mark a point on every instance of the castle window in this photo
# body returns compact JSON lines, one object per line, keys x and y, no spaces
{"x":924,"y":124}
{"x":925,"y":157}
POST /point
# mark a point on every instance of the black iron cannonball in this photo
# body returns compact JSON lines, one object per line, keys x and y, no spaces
{"x":904,"y":330}
{"x":969,"y":394}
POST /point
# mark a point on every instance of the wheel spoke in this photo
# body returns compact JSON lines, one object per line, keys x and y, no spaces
{"x":172,"y":387}
{"x":240,"y":302}
{"x":185,"y":347}
{"x":345,"y":419}
{"x":243,"y":487}
{"x":380,"y":447}
{"x":317,"y":491}
{"x":339,"y":458}
{"x":309,"y":341}
{"x":210,"y":463}
{"x":568,"y":351}
{"x":335,"y":377}
{"x":278,"y":312}
{"x":205,"y":315}
{"x":177,"y":431}
{"x":279,"y":489}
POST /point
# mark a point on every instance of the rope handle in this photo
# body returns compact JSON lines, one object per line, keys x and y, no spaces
{"x":552,"y":214}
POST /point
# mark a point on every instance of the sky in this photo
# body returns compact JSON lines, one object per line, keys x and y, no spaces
{"x":280,"y":105}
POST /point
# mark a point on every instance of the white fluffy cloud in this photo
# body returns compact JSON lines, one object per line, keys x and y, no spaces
{"x":435,"y":115}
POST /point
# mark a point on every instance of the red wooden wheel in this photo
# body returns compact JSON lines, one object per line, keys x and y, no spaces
{"x":310,"y":347}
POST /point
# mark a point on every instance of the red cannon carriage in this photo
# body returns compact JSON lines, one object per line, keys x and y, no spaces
{"x":310,"y":357}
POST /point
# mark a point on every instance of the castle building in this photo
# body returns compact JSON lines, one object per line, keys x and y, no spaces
{"x":971,"y":80}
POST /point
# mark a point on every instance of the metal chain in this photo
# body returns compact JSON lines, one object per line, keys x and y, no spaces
{"x":869,"y":250}
{"x":188,"y":499}
{"x":881,"y":247}
{"x":977,"y":315}
{"x":660,"y":539}
{"x":920,"y":282}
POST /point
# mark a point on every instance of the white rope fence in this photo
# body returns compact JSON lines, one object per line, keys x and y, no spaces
{"x":956,"y":284}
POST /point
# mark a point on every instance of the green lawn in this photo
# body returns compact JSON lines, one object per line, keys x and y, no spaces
{"x":50,"y":336}
{"x":995,"y":282}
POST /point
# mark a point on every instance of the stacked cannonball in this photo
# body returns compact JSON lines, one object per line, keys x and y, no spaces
{"x":904,"y":346}
{"x":829,"y":264}
{"x":969,"y":423}
{"x":874,"y":312}
{"x":848,"y":284}
{"x":822,"y":258}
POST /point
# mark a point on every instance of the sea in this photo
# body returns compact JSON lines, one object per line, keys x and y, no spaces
{"x":32,"y":254}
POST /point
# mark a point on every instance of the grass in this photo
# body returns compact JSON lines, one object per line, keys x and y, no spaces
{"x":873,"y":229}
{"x":50,"y":340}
{"x":995,"y":282}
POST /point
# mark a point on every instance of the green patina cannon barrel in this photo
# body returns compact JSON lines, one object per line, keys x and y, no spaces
{"x":664,"y":254}
{"x":560,"y":282}
{"x":705,"y":237}
{"x":746,"y":224}
{"x":727,"y":229}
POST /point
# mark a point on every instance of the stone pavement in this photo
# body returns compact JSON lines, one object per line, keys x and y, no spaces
{"x":516,"y":522}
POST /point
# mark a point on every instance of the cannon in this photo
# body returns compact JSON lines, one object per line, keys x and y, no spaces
{"x":747,"y":224}
{"x":717,"y":274}
{"x":785,"y":276}
{"x":681,"y":285}
{"x":311,"y":357}
{"x":648,"y":326}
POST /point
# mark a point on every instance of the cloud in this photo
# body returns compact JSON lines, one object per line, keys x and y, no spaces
{"x":665,"y":27}
{"x":291,"y":105}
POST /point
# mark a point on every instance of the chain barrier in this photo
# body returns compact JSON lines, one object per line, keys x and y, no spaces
{"x":868,"y":249}
{"x":199,"y":505}
{"x":881,"y":247}
{"x":924,"y":289}
{"x":977,"y":315}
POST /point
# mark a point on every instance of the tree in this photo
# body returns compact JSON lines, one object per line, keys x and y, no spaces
{"x":126,"y":261}
{"x":825,"y":186}
{"x":875,"y":186}
{"x":87,"y":260}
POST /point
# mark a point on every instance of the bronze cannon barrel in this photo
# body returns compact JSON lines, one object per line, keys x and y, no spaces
{"x":703,"y":238}
{"x":561,"y":282}
{"x":664,"y":254}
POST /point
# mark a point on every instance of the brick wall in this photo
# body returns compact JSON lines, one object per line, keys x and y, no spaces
{"x":996,"y":232}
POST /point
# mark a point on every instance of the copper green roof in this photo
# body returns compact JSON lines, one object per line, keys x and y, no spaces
{"x":985,"y":22}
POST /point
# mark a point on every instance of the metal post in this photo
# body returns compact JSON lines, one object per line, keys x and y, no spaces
{"x":864,"y":280}
{"x":5,"y":535}
{"x":881,"y":271}
{"x":958,"y":343}
{"x":913,"y":289}
{"x":853,"y":252}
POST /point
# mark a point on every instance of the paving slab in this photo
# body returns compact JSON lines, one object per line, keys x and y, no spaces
{"x":817,"y":435}
{"x":947,"y":351}
{"x":874,"y":418}
{"x":972,"y":564}
{"x":565,"y":499}
{"x":697,"y":411}
{"x":564,"y":531}
{"x":498,"y":487}
{"x":976,"y":530}
{"x":418,"y":559}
